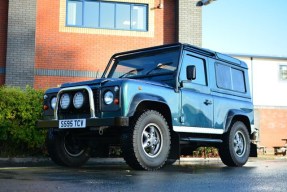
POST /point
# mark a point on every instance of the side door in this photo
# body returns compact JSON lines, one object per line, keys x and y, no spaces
{"x":196,"y":100}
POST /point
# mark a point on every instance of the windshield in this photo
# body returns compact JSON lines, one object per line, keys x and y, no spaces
{"x":141,"y":65}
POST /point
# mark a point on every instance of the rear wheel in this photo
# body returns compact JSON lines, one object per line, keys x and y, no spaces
{"x":235,"y":148}
{"x":65,"y":149}
{"x":146,"y":145}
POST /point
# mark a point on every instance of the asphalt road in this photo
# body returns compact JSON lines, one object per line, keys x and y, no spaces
{"x":256,"y":175}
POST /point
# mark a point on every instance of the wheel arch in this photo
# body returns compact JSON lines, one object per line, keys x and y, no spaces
{"x":143,"y":102}
{"x":237,"y":115}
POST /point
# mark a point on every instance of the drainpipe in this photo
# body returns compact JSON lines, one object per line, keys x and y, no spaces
{"x":252,"y":79}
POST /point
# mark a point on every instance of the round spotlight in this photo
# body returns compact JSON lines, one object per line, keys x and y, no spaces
{"x":78,"y":100}
{"x":65,"y":101}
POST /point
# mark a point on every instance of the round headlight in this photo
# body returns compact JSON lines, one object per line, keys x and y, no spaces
{"x":53,"y":102}
{"x":78,"y":100}
{"x":108,"y":97}
{"x":65,"y":101}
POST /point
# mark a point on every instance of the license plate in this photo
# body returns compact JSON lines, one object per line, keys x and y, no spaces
{"x":72,"y":123}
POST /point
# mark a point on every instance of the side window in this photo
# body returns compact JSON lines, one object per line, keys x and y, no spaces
{"x":200,"y":69}
{"x":230,"y":78}
{"x":223,"y":77}
{"x":238,"y":80}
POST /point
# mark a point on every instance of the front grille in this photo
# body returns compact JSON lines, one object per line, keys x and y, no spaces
{"x":74,"y":116}
{"x":97,"y":100}
{"x":71,"y":112}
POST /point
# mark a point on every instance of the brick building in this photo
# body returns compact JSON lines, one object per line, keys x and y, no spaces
{"x":45,"y":43}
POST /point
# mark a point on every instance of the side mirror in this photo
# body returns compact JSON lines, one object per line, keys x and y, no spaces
{"x":191,"y":72}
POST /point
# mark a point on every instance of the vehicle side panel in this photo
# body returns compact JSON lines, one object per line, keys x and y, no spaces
{"x":226,"y":101}
{"x":132,"y":90}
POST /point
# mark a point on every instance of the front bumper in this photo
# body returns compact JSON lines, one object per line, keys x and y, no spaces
{"x":93,"y":122}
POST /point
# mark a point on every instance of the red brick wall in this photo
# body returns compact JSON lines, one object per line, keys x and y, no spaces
{"x":273,"y":127}
{"x":45,"y":82}
{"x":2,"y":79}
{"x":3,"y":35}
{"x":88,"y":52}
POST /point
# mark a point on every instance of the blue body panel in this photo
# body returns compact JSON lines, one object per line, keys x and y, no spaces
{"x":135,"y":91}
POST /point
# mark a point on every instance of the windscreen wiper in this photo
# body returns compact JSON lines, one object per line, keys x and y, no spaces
{"x":159,"y":66}
{"x":131,"y":72}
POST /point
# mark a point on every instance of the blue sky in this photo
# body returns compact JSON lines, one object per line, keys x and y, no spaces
{"x":255,"y":27}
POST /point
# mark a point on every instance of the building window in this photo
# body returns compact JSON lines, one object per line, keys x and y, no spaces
{"x":107,"y":15}
{"x":283,"y":72}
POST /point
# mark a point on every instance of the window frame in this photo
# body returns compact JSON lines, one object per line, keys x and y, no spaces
{"x":131,"y":28}
{"x":204,"y":64}
{"x":283,"y":72}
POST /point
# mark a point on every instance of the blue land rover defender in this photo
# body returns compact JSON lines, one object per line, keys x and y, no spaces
{"x":156,"y":104}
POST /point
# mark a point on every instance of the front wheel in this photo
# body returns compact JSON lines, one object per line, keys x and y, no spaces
{"x":146,"y":145}
{"x":235,"y":149}
{"x":65,"y":149}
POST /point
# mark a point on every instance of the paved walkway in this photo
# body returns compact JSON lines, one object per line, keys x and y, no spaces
{"x":47,"y":161}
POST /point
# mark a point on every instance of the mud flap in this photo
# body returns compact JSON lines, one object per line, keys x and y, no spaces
{"x":175,"y":148}
{"x":253,"y":150}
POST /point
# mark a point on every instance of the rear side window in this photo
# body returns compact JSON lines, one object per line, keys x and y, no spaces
{"x":230,"y":78}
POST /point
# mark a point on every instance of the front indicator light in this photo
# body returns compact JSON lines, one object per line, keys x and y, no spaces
{"x":116,"y":101}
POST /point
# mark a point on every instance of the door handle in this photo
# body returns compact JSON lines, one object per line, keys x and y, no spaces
{"x":207,"y":102}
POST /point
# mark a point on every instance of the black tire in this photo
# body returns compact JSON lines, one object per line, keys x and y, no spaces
{"x":65,"y":150}
{"x":235,"y":149}
{"x":146,"y":145}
